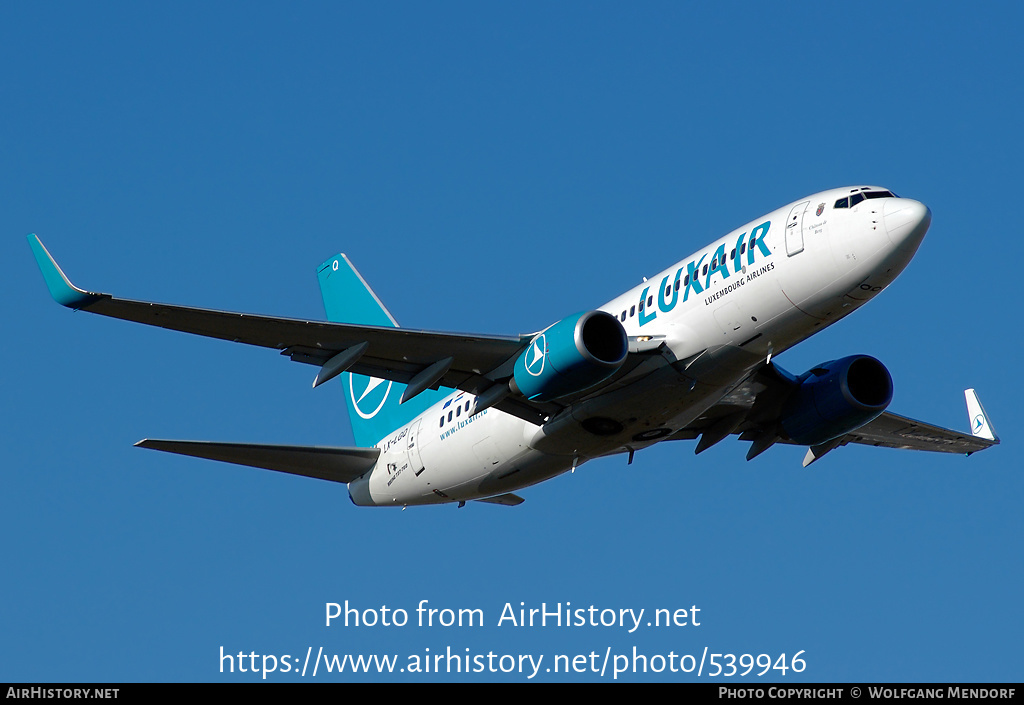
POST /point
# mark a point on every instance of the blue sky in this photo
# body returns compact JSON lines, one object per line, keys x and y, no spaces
{"x":491,"y":168}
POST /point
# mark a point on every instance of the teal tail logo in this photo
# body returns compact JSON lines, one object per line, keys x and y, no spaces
{"x":372,"y":402}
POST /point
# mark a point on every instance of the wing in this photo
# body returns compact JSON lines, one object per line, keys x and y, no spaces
{"x":753,"y":409}
{"x":397,"y":354}
{"x":894,"y":431}
{"x":478,"y":364}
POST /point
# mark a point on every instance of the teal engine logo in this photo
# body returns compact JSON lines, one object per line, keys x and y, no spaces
{"x":536,"y":356}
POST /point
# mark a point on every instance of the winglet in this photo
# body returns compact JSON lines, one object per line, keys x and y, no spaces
{"x":980,"y":424}
{"x":61,"y":289}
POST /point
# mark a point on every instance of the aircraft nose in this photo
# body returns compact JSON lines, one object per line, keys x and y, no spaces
{"x":906,"y":221}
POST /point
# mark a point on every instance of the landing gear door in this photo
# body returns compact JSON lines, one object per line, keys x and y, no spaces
{"x":795,"y":229}
{"x":413,"y":447}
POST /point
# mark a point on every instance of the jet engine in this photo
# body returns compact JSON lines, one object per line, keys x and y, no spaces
{"x":572,"y":355}
{"x":836,"y":398}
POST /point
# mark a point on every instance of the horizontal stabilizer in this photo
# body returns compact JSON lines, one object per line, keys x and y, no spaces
{"x":324,"y":463}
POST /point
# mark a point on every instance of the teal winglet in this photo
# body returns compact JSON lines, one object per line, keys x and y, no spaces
{"x":61,"y":289}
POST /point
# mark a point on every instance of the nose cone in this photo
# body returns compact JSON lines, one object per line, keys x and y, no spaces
{"x":906,"y":222}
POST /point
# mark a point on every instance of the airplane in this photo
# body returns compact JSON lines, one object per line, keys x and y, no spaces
{"x":687,"y":354}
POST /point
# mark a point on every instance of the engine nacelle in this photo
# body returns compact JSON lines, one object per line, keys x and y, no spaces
{"x":836,"y":398}
{"x":572,"y":355}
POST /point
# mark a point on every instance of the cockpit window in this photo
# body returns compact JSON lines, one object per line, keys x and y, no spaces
{"x":856,"y":198}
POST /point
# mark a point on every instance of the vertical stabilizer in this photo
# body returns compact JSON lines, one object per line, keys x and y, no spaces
{"x":373,"y":404}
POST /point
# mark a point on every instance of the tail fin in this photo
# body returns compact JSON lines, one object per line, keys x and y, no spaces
{"x":373,"y":407}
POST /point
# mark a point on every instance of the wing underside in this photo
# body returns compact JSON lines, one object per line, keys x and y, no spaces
{"x":894,"y":431}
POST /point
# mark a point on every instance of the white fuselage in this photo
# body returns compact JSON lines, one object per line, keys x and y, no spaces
{"x":723,"y":311}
